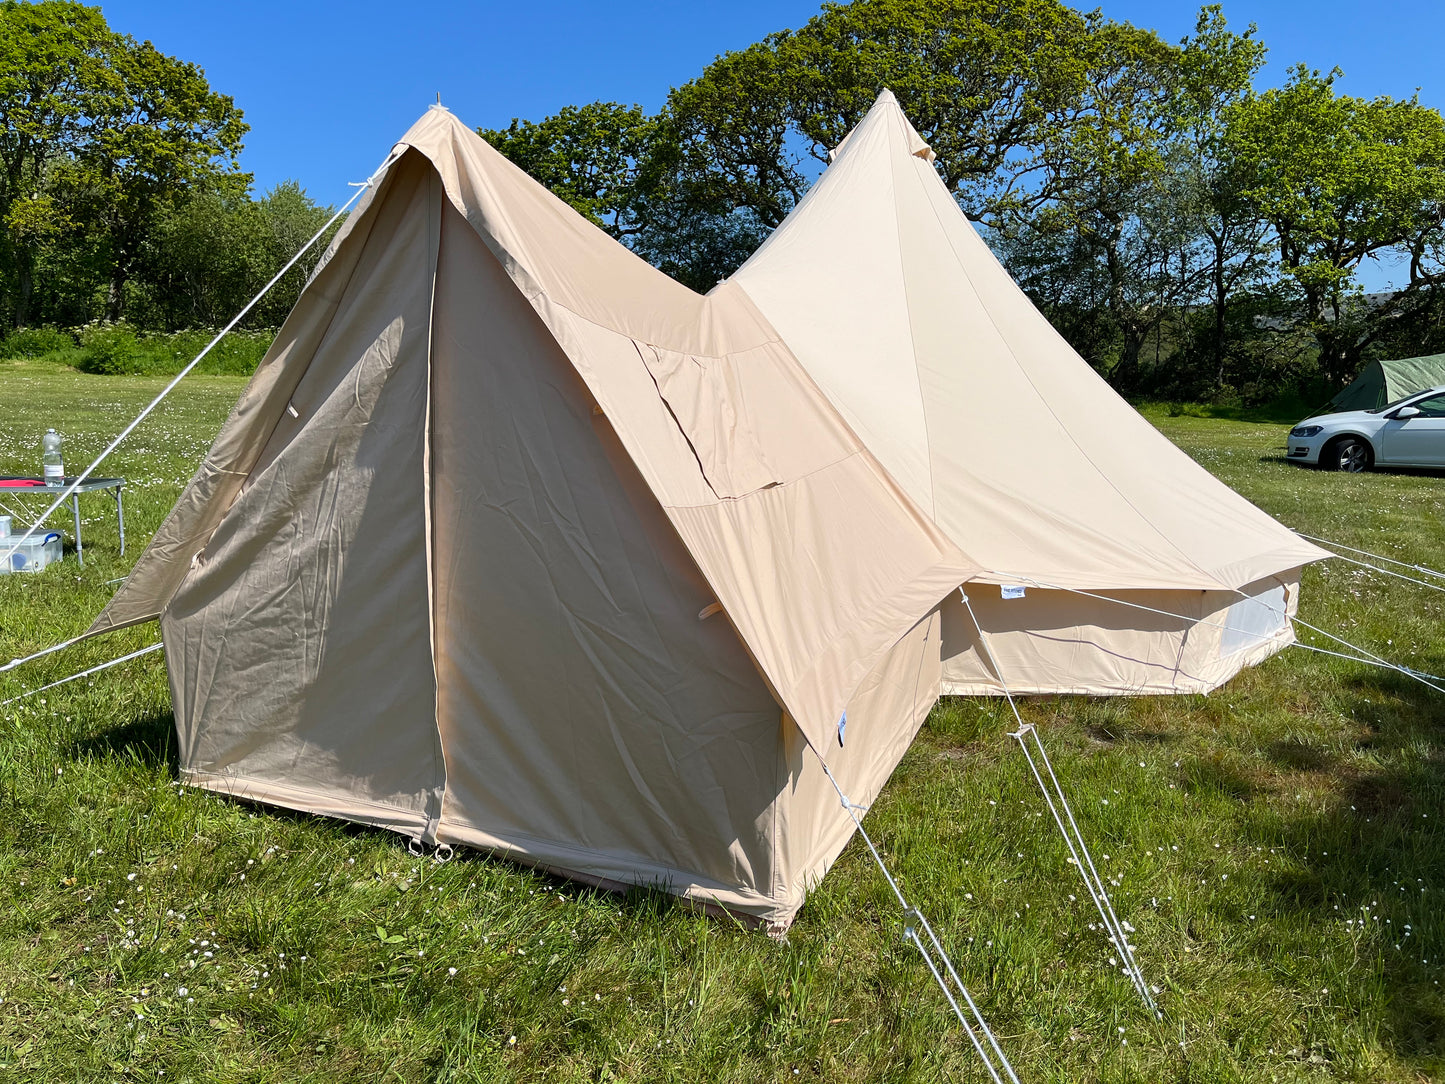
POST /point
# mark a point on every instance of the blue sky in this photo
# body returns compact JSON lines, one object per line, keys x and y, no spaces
{"x":327,"y":87}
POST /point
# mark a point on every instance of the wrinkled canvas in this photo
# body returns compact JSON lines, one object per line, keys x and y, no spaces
{"x":512,"y":541}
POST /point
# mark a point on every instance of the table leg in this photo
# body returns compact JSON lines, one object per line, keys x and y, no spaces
{"x":120,"y":519}
{"x":79,"y":548}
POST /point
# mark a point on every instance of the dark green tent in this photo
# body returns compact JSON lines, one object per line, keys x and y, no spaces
{"x":1382,"y":382}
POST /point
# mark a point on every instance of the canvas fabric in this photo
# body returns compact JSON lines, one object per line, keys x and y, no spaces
{"x":1405,"y":376}
{"x":1367,"y":391}
{"x":1382,"y":382}
{"x":297,"y":643}
{"x":1010,"y":441}
{"x":1135,"y":643}
{"x":512,"y":541}
{"x":563,"y":568}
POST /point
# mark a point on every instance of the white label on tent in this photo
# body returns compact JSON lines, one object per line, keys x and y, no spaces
{"x":842,"y":726}
{"x":1010,"y":590}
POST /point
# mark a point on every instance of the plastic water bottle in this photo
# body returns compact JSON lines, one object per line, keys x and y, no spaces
{"x":54,"y":464}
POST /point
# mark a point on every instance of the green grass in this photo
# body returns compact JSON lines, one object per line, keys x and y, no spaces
{"x":1278,"y":845}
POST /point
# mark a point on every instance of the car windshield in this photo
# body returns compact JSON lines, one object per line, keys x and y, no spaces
{"x":1392,"y":406}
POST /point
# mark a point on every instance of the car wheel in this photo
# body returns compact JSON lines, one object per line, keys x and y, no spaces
{"x":1351,"y":454}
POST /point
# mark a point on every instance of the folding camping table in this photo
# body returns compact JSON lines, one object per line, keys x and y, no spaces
{"x":37,"y":486}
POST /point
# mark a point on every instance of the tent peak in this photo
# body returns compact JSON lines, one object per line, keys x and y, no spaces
{"x":886,"y":105}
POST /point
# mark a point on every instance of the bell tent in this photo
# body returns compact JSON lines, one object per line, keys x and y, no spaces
{"x":1011,"y":443}
{"x":514,"y":542}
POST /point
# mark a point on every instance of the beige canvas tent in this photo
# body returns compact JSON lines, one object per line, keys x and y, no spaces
{"x":514,"y":542}
{"x":1014,"y":446}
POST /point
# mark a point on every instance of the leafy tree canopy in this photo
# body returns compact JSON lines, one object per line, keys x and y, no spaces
{"x":1340,"y":180}
{"x":1189,"y":234}
{"x":99,"y":135}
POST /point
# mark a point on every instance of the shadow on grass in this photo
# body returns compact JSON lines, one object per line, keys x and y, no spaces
{"x":1123,"y":730}
{"x":1388,"y":472}
{"x":1216,"y":776}
{"x":150,"y":741}
{"x":1299,"y":756}
{"x":1410,"y":472}
{"x":1378,"y":849}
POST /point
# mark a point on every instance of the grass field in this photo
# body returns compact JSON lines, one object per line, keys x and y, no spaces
{"x":1279,"y":846}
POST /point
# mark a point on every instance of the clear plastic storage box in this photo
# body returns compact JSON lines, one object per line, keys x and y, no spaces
{"x":40,"y":549}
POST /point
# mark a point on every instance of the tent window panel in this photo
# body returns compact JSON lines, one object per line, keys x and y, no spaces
{"x":1252,"y":621}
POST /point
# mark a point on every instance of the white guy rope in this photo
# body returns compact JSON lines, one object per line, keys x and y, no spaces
{"x":1121,"y":932}
{"x":13,"y":663}
{"x":86,"y":673}
{"x":994,"y":1057}
{"x":1389,"y":572}
{"x":1369,"y":656}
{"x":1419,"y":675}
{"x":1075,"y":839}
{"x":1367,"y":553}
{"x":70,"y":489}
{"x":1358,"y":658}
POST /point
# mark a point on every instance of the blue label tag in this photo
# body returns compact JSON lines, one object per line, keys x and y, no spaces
{"x":842,"y":726}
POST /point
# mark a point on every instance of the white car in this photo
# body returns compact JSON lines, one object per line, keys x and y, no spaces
{"x":1409,"y":432}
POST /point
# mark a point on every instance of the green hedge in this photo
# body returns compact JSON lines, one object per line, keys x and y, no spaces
{"x":121,"y":350}
{"x":37,"y":342}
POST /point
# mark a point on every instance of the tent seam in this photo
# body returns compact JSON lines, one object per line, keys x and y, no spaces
{"x":913,"y":340}
{"x":439,"y":761}
{"x":1008,"y":347}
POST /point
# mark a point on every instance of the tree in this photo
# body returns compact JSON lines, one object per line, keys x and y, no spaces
{"x":697,"y":186}
{"x":206,"y":256}
{"x":607,"y":160}
{"x":1216,"y":68}
{"x":1340,"y":180}
{"x":200,"y":260}
{"x":51,"y":57}
{"x":986,"y":82}
{"x":632,"y":174}
{"x":1115,"y":197}
{"x":155,"y":129}
{"x":736,"y":120}
{"x":100,"y":138}
{"x":291,"y":219}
